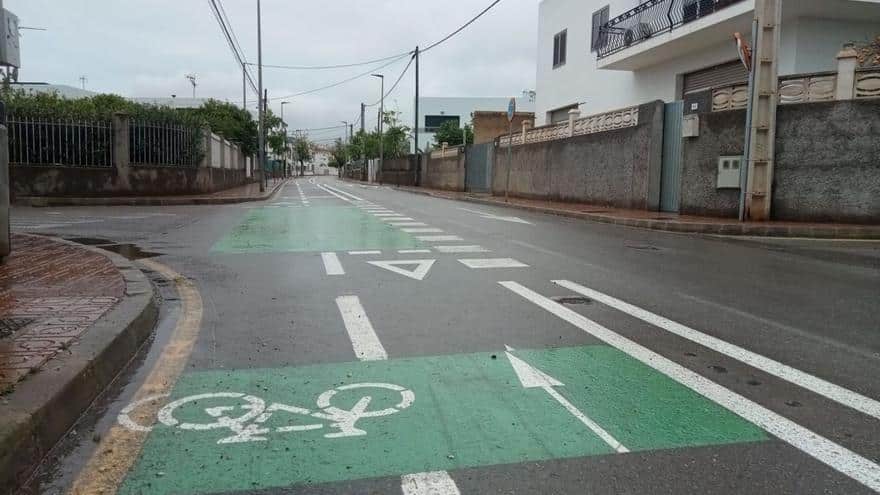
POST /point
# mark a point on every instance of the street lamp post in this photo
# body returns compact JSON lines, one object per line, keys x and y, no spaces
{"x":284,"y":126}
{"x":262,"y":138}
{"x":345,"y":140}
{"x":381,"y":121}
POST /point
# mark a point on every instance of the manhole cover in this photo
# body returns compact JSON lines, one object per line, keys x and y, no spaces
{"x":9,"y":326}
{"x":573,"y":300}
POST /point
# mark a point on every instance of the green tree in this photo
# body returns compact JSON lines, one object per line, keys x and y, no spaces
{"x":449,"y":132}
{"x":396,"y":136}
{"x":339,"y":154}
{"x":303,"y":149}
{"x":233,"y":123}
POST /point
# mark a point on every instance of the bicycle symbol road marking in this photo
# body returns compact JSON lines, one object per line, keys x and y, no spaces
{"x":246,"y":419}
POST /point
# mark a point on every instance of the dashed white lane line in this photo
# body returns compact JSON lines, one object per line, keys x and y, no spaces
{"x":811,"y":443}
{"x":422,"y":230}
{"x":363,"y":253}
{"x":812,"y":383}
{"x":461,"y":249}
{"x":414,"y":251}
{"x":493,"y":263}
{"x":439,"y":238}
{"x":433,"y":483}
{"x":331,"y":264}
{"x":381,"y":215}
{"x":363,"y":337}
{"x":395,"y":219}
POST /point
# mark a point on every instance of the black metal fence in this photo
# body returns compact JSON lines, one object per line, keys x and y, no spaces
{"x":651,"y":18}
{"x":63,"y":142}
{"x":164,"y":144}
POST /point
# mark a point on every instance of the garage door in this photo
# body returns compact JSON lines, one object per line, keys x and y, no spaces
{"x":719,"y":75}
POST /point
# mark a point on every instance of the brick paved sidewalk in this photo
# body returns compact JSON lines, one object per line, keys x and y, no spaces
{"x":670,"y":222}
{"x":50,"y":294}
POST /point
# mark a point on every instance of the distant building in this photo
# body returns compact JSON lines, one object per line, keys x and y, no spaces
{"x":72,"y":92}
{"x":434,"y":111}
{"x":601,"y":55}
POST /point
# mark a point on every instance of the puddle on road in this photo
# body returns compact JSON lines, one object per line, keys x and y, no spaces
{"x":573,"y":300}
{"x":127,"y":250}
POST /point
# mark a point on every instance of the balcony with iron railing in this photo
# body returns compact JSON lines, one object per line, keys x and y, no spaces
{"x":653,"y":18}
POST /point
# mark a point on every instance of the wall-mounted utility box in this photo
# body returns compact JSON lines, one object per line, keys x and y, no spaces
{"x":690,"y":126}
{"x":728,"y":172}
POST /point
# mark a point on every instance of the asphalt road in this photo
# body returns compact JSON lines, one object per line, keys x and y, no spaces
{"x":358,"y":339}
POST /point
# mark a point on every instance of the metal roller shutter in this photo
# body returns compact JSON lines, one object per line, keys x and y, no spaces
{"x":719,"y":75}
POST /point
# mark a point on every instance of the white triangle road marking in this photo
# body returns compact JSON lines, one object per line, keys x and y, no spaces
{"x":418,"y":273}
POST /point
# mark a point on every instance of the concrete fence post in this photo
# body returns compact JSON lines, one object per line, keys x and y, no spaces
{"x":847,"y":61}
{"x":573,"y":115}
{"x":526,"y":125}
{"x":207,"y":139}
{"x":121,"y":123}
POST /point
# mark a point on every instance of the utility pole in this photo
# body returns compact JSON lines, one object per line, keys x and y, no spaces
{"x":192,"y":80}
{"x":381,"y":121}
{"x":416,"y":127}
{"x":243,"y":86}
{"x":761,"y":139}
{"x":262,"y":137}
{"x":363,"y":109}
{"x":83,"y":79}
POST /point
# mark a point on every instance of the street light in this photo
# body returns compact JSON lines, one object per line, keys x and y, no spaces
{"x":282,"y":110}
{"x":381,"y":120}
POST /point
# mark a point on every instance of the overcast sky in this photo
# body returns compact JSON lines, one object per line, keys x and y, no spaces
{"x":145,"y":47}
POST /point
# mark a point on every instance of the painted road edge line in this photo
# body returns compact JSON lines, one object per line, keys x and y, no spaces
{"x":802,"y":379}
{"x":340,"y":191}
{"x":335,"y":194}
{"x":331,"y":264}
{"x":363,"y":253}
{"x":119,"y":447}
{"x":439,"y":238}
{"x":360,"y":331}
{"x":811,"y":443}
{"x":433,"y":483}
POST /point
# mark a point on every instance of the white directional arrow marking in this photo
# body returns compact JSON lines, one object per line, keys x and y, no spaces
{"x":418,"y":273}
{"x":498,"y":217}
{"x":531,"y":377}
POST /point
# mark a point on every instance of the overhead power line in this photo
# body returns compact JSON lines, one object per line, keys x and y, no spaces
{"x":338,"y":66}
{"x":462,"y":28}
{"x":339,"y":83}
{"x":393,"y":87}
{"x":230,"y":40}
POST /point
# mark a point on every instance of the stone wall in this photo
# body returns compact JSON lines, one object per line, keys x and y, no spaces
{"x":827,"y":162}
{"x":619,"y":168}
{"x":446,"y":173}
{"x":399,"y":171}
{"x":133,"y":181}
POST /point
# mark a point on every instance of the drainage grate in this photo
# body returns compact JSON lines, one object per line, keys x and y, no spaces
{"x":8,"y":326}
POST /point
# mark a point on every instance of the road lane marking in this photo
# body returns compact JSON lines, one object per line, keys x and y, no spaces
{"x":407,"y":224}
{"x":360,"y":331}
{"x":331,"y":264}
{"x":493,"y":263}
{"x":531,"y":377}
{"x":384,"y":215}
{"x":490,"y":216}
{"x":335,"y":194}
{"x":414,"y":251}
{"x":439,"y":238}
{"x":812,"y":383}
{"x":433,"y":483}
{"x":421,"y":230}
{"x":836,"y":456}
{"x":421,"y":269}
{"x":402,"y":219}
{"x":120,"y":447}
{"x":461,"y":249}
{"x":363,"y":253}
{"x":340,"y":191}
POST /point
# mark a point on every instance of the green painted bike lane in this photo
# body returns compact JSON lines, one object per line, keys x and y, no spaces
{"x":293,"y":426}
{"x":312,"y":229}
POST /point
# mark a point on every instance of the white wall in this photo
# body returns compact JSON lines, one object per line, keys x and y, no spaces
{"x":819,"y":41}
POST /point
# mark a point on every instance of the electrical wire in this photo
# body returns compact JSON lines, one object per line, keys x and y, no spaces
{"x":393,"y":87}
{"x":215,"y":10}
{"x":338,"y":66}
{"x":339,"y":83}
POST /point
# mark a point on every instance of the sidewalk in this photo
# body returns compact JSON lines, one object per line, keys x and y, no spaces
{"x":71,"y":317}
{"x":669,"y":222}
{"x":241,"y":194}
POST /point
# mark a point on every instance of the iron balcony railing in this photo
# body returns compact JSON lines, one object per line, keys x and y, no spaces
{"x":650,"y":18}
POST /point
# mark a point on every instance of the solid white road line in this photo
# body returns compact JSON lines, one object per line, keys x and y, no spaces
{"x":461,"y":249}
{"x":414,"y":251}
{"x":421,"y":230}
{"x":812,"y":383}
{"x":363,"y":338}
{"x":836,"y":456}
{"x":493,"y":263}
{"x":407,"y":224}
{"x":439,"y":238}
{"x":350,"y":195}
{"x":335,"y":194}
{"x":381,"y":215}
{"x":433,"y":483}
{"x":332,"y":264}
{"x":395,"y":219}
{"x":363,"y":253}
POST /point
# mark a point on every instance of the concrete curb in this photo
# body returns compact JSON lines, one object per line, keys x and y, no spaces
{"x":47,"y":404}
{"x":41,"y":201}
{"x":735,"y":229}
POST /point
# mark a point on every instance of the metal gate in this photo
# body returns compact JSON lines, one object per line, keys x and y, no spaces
{"x":478,"y":164}
{"x":670,"y":177}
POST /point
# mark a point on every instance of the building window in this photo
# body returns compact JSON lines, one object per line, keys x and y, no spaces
{"x":433,"y":122}
{"x":600,"y":18}
{"x":559,"y":42}
{"x":560,"y":115}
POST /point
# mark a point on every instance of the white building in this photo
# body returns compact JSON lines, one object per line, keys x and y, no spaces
{"x":434,"y":111}
{"x":601,"y":55}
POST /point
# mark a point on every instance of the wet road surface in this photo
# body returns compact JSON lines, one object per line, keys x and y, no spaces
{"x":354,"y":339}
